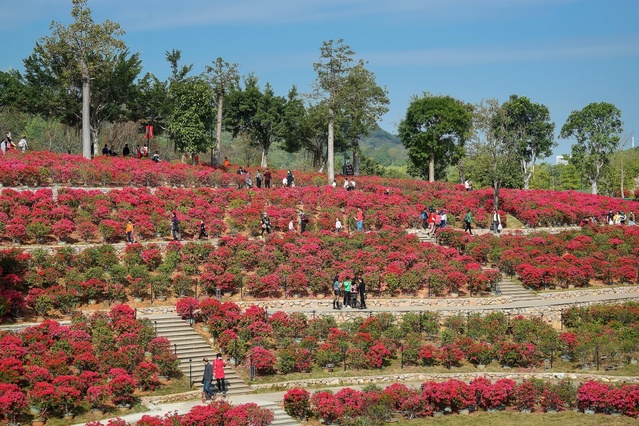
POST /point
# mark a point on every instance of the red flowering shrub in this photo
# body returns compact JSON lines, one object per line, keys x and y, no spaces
{"x":42,"y":397}
{"x":186,"y":306}
{"x":518,"y":354}
{"x":12,"y":401}
{"x":122,"y":387}
{"x":429,"y":354}
{"x":263,"y":360}
{"x":593,"y":395}
{"x":526,"y":395}
{"x":146,"y":375}
{"x":63,"y":229}
{"x":450,"y":355}
{"x":378,"y":355}
{"x":248,"y":415}
{"x":297,"y":403}
{"x":98,"y":395}
{"x":326,"y":406}
{"x":480,"y":353}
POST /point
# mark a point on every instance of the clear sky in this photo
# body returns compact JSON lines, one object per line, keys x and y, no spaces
{"x":564,"y":54}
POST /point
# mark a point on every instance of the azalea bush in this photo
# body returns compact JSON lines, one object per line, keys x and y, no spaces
{"x":297,"y":403}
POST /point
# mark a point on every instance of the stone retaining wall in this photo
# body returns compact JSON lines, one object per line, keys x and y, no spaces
{"x":587,"y":292}
{"x":550,"y":313}
{"x":422,"y":377}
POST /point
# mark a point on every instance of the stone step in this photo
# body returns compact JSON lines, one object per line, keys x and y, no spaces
{"x":281,"y":418}
{"x":192,"y":346}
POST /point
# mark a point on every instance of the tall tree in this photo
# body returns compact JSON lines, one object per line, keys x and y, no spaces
{"x":222,"y":77}
{"x":364,"y":102}
{"x":336,"y":62}
{"x":490,"y":148}
{"x":259,"y":114}
{"x":434,"y":130}
{"x":597,"y":129}
{"x":528,"y":128}
{"x":81,"y":48}
{"x":191,"y":108}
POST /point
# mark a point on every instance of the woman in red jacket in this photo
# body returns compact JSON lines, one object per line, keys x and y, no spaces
{"x":218,"y":369}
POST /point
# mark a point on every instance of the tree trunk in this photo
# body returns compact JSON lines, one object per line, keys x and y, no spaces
{"x":527,"y":174}
{"x":593,"y":185}
{"x":218,"y":129}
{"x":263,"y":164}
{"x":496,"y":188}
{"x":331,"y":159}
{"x":355,"y":144}
{"x":431,"y":168}
{"x":86,"y":117}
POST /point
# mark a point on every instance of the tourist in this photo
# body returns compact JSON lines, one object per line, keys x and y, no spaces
{"x":424,"y":218}
{"x":291,"y":225}
{"x":105,"y":150}
{"x":290,"y":179}
{"x":303,"y":222}
{"x":156,"y":157}
{"x":258,"y":179}
{"x":496,"y":224}
{"x":266,"y":224}
{"x":3,"y":146}
{"x":354,"y":293}
{"x":347,"y":291}
{"x":175,"y":227}
{"x":338,"y":225}
{"x":361,"y":287}
{"x":227,"y":162}
{"x":468,"y":219}
{"x":207,"y":379}
{"x":351,"y":185}
{"x":219,"y":365}
{"x":23,"y":144}
{"x":129,"y":232}
{"x":431,"y":221}
{"x":336,"y":290}
{"x":267,"y":178}
{"x":203,"y":233}
{"x":444,"y":218}
{"x":359,"y":218}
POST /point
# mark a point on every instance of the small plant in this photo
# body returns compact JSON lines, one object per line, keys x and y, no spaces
{"x":297,"y":403}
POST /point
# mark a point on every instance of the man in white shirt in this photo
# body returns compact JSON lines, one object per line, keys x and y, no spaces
{"x":23,"y":144}
{"x":338,"y":225}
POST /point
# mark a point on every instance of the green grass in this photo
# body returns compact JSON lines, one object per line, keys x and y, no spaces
{"x":513,"y":223}
{"x":521,"y":419}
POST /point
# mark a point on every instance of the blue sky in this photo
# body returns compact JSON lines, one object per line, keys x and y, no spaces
{"x":564,"y":54}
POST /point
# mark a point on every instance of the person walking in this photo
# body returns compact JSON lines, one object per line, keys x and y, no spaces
{"x":338,"y":225}
{"x":336,"y":290}
{"x":203,"y":233}
{"x":207,"y":379}
{"x":129,"y":232}
{"x":258,"y":179}
{"x":361,"y":287}
{"x":359,"y":218}
{"x":219,"y":365}
{"x":175,"y":226}
{"x":266,"y":224}
{"x":23,"y":144}
{"x":290,"y":179}
{"x":303,"y":222}
{"x":496,"y":225}
{"x":444,"y":219}
{"x":126,"y":151}
{"x":354,"y":292}
{"x":468,"y":219}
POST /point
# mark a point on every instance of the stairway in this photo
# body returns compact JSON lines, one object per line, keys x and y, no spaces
{"x":518,"y":293}
{"x":281,"y":418}
{"x":190,"y":345}
{"x":425,"y":237}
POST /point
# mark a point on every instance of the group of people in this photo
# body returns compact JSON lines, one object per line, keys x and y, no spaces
{"x":350,"y":290}
{"x":7,"y":143}
{"x":211,"y":371}
{"x":265,"y":223}
{"x":260,"y":178}
{"x":433,"y":219}
{"x":620,"y":218}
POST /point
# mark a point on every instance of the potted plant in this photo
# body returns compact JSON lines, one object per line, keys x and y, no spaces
{"x":41,"y":399}
{"x":43,"y":304}
{"x":97,"y":396}
{"x":159,"y":285}
{"x":297,"y":403}
{"x":326,"y":406}
{"x":12,"y":402}
{"x":526,"y":395}
{"x":139,"y":290}
{"x":122,"y":388}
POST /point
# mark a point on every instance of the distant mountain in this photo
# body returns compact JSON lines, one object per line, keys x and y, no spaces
{"x":384,"y":148}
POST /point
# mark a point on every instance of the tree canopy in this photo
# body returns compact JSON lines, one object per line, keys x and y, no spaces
{"x":597,"y":129}
{"x":435,"y":130}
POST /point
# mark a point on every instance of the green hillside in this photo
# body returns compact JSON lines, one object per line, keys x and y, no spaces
{"x":384,"y":148}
